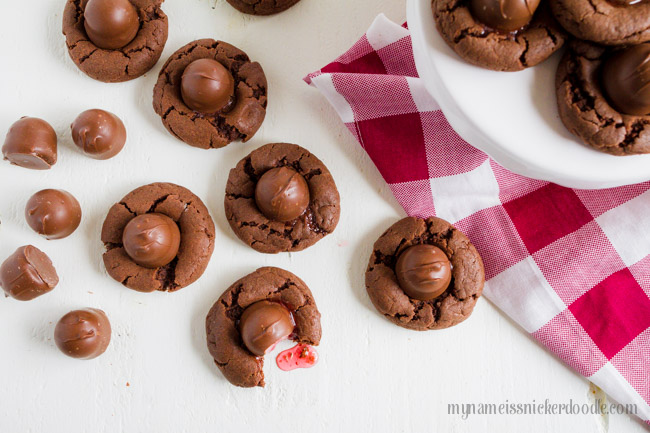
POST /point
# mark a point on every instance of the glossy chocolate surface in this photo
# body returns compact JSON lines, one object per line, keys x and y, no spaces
{"x":263,"y":324}
{"x":423,"y":272}
{"x":152,"y":240}
{"x":31,"y":143}
{"x":282,"y":194}
{"x":27,"y":274}
{"x":83,"y":334}
{"x":53,"y":213}
{"x":98,"y":133}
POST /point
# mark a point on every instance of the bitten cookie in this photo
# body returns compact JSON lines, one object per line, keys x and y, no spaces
{"x":225,"y":343}
{"x":112,"y":65}
{"x":435,"y":305}
{"x":588,"y":113}
{"x":223,"y":74}
{"x":508,"y":50}
{"x":262,"y":7}
{"x":609,"y":22}
{"x":281,"y":198}
{"x":154,"y":224}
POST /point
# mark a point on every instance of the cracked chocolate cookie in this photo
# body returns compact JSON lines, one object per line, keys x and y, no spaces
{"x":503,"y":44}
{"x":281,"y":198}
{"x":159,"y":237}
{"x":262,"y":7}
{"x":397,"y":265}
{"x":140,"y":25}
{"x":586,"y":110}
{"x":226,"y":334}
{"x":608,"y":22}
{"x":200,"y":75}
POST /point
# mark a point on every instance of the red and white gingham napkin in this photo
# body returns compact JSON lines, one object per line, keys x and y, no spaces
{"x":572,"y":267}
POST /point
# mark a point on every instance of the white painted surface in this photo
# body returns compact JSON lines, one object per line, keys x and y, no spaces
{"x":373,"y":376}
{"x":513,"y":116}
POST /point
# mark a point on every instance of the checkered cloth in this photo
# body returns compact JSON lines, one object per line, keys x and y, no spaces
{"x":572,"y":267}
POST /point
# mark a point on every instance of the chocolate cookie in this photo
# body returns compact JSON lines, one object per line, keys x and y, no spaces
{"x":483,"y":46}
{"x":609,"y":22}
{"x":447,"y":309}
{"x":585,"y":110}
{"x":273,"y":236}
{"x":196,"y":238}
{"x":121,"y":64}
{"x":262,"y":7}
{"x":224,"y":339}
{"x":240,"y":120}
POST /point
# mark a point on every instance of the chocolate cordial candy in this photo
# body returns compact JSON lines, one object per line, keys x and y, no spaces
{"x":151,"y":240}
{"x":282,"y":194}
{"x":207,"y":86}
{"x":53,"y":213}
{"x":111,"y":24}
{"x":263,"y":324}
{"x":99,"y":134}
{"x":423,"y":272}
{"x":27,"y":274}
{"x":83,"y":334}
{"x":31,"y":143}
{"x":504,"y":15}
{"x":626,"y":80}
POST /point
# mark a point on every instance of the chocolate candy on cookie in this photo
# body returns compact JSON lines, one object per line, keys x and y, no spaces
{"x":111,"y":24}
{"x":603,"y":96}
{"x":424,"y":274}
{"x":502,"y":35}
{"x":115,"y":40}
{"x":158,"y":237}
{"x":282,"y":194}
{"x":504,"y":15}
{"x":98,"y":133}
{"x":53,"y":213}
{"x":83,"y":334}
{"x":263,"y":325}
{"x":607,"y":22}
{"x":252,"y":315}
{"x":210,"y":94}
{"x":281,"y":198}
{"x":207,"y":86}
{"x":27,"y":274}
{"x":151,"y":240}
{"x":423,"y":271}
{"x":262,"y":7}
{"x":626,"y":80}
{"x":31,"y":143}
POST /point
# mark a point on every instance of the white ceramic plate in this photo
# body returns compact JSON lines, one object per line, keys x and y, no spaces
{"x":512,"y":116}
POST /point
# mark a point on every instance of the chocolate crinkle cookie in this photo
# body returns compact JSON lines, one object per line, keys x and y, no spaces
{"x":585,"y":109}
{"x":127,"y":62}
{"x":281,"y":198}
{"x":608,"y":22}
{"x":224,"y":339}
{"x":238,"y":120}
{"x":499,"y":50}
{"x":424,"y":274}
{"x":135,"y":265}
{"x":262,"y":7}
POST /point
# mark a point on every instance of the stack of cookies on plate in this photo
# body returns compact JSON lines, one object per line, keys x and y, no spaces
{"x":603,"y":80}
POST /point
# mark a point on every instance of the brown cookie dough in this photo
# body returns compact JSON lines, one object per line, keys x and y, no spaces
{"x":264,"y":235}
{"x":450,"y":308}
{"x":262,"y":7}
{"x":243,"y":118}
{"x":585,"y":111}
{"x":196,"y":246}
{"x":484,"y":47}
{"x":126,"y":63}
{"x":237,"y":364}
{"x":604,"y":21}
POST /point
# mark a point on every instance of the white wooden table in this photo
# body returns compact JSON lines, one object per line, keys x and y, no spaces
{"x":157,"y":374}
